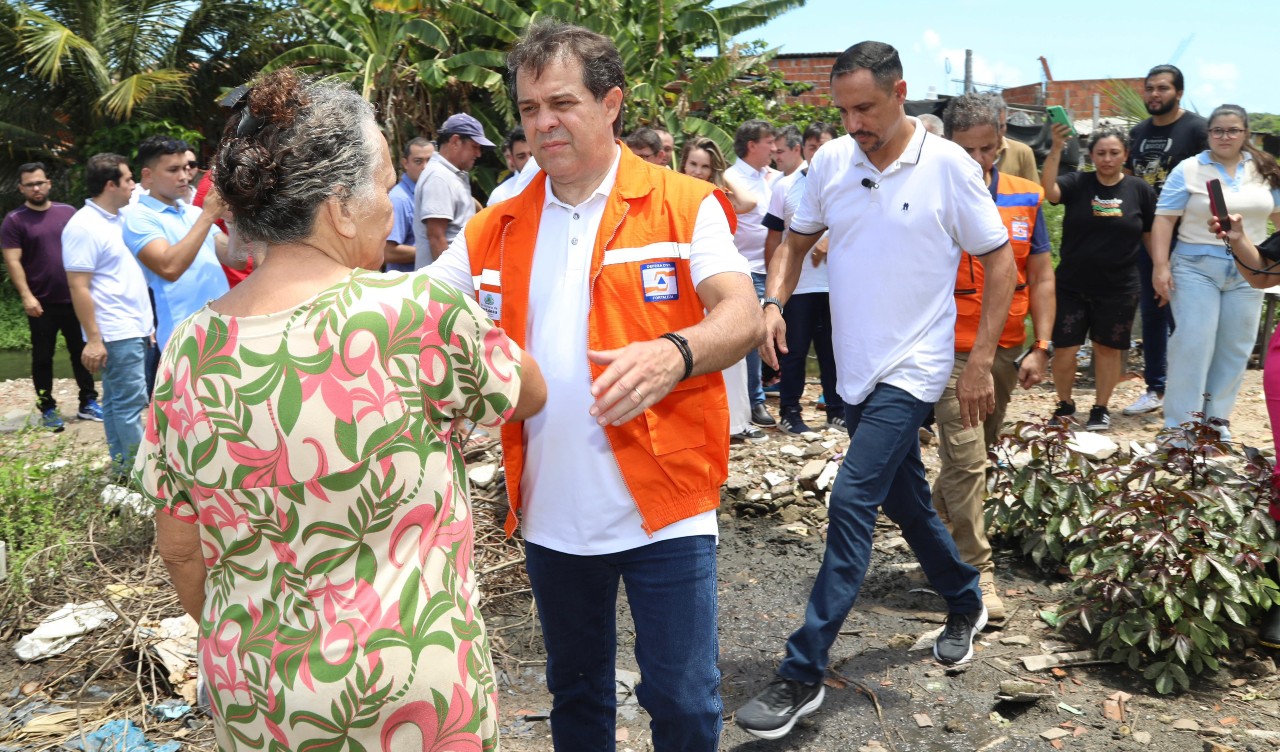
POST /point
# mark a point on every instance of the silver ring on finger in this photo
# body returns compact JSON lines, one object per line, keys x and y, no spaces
{"x":639,"y":397}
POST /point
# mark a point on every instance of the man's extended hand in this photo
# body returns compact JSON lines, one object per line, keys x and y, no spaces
{"x":977,"y":393}
{"x":94,"y":356}
{"x":775,"y":335}
{"x":635,"y":377}
{"x":1034,"y":366}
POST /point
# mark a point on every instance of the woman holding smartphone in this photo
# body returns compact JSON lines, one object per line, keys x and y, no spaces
{"x":1107,"y":224}
{"x":1215,"y":307}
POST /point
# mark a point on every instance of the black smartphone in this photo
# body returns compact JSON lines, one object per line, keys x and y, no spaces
{"x":1218,"y":204}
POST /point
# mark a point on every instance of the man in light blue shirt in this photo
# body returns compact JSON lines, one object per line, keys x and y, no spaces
{"x":178,"y":245}
{"x":400,"y":254}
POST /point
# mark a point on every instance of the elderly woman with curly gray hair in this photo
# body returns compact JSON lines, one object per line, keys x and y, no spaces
{"x":304,"y":452}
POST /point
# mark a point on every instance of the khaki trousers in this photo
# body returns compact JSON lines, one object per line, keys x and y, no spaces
{"x":961,"y":487}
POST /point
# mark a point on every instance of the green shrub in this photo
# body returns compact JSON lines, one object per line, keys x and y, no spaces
{"x":49,"y":499}
{"x":1166,"y":548}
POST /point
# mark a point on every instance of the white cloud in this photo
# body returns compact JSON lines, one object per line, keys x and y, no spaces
{"x":1214,"y":82}
{"x":985,"y":70}
{"x":931,"y":39}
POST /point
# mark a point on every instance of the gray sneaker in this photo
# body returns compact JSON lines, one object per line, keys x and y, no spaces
{"x":955,"y":644}
{"x":774,"y":712}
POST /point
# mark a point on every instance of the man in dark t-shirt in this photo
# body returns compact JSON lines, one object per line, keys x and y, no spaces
{"x":1156,"y":146}
{"x":31,"y":239}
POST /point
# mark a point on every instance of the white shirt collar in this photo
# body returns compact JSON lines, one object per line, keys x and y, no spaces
{"x":910,"y":155}
{"x":604,"y":189}
{"x":105,"y":214}
{"x":741,"y":166}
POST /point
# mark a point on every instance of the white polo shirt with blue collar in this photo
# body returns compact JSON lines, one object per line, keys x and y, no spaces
{"x":896,"y":239}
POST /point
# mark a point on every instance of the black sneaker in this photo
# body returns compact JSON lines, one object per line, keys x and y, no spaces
{"x":837,"y":422}
{"x":761,"y":417}
{"x":955,"y":644}
{"x":751,"y":435}
{"x":772,"y":713}
{"x":1099,"y":419}
{"x":1064,"y":415}
{"x":792,"y":422}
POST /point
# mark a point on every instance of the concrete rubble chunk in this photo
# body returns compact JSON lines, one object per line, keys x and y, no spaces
{"x":1042,"y":662}
{"x":774,"y":479}
{"x":482,"y":476}
{"x":1020,"y":640}
{"x":1142,"y":737}
{"x":808,"y":476}
{"x":827,"y":477}
{"x":1054,"y":733}
{"x":1185,"y":724}
{"x":1093,"y":445}
{"x":791,"y":450}
{"x":922,"y":720}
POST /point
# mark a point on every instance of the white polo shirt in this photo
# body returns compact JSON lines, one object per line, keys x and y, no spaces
{"x":93,"y":241}
{"x":892,"y":258}
{"x":574,"y":498}
{"x":812,"y":278}
{"x":515,"y":184}
{"x":751,"y":232}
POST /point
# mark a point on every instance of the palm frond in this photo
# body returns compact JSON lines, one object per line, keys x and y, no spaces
{"x":141,"y":89}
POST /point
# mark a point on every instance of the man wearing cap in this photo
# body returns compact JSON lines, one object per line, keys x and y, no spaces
{"x":442,"y":201}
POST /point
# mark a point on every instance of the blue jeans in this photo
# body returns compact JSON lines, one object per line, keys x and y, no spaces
{"x":755,"y":389}
{"x":124,"y":397}
{"x":1157,"y":323}
{"x":671,"y":589}
{"x":882,"y":468}
{"x":808,"y":318}
{"x":1217,"y":314}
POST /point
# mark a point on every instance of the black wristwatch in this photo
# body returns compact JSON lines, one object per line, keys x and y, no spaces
{"x":772,"y":301}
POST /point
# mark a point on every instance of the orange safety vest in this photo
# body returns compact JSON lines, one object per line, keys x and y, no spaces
{"x":1018,"y":200}
{"x":675,"y":456}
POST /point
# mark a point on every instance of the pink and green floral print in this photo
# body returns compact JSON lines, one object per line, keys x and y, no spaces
{"x":318,"y":450}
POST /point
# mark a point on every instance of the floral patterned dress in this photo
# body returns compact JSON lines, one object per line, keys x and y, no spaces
{"x":318,"y":451}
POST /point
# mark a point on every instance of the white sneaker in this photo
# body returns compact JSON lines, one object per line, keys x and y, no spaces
{"x":1149,"y":402}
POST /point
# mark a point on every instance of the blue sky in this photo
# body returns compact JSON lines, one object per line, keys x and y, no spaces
{"x":1232,"y":63}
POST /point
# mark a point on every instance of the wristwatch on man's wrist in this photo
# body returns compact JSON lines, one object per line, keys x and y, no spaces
{"x":1043,"y":344}
{"x":772,"y":301}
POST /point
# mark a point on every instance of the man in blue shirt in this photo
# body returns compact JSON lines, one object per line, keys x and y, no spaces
{"x":178,"y":245}
{"x":401,"y":254}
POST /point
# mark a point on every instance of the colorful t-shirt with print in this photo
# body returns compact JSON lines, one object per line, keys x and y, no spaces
{"x":318,"y":451}
{"x":1102,"y":228}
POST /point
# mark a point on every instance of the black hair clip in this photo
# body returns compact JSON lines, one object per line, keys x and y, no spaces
{"x":238,"y":99}
{"x":249,"y":123}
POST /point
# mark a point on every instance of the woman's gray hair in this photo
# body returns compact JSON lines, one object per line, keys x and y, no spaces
{"x":293,"y":146}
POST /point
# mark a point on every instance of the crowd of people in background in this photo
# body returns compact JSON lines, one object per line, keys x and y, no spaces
{"x":641,"y":270}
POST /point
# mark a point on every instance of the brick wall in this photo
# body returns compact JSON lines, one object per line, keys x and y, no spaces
{"x":810,"y":68}
{"x":1076,"y":96}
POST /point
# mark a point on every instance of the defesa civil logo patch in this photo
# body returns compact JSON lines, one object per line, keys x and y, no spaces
{"x":659,"y":281}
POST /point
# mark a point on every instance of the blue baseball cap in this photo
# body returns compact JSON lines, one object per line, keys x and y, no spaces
{"x":465,"y":125}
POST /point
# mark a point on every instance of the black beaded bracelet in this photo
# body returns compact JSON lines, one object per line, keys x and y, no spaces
{"x":682,"y":345}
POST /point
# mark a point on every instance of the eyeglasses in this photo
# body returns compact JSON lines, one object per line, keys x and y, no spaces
{"x":193,"y":165}
{"x":1227,"y":132}
{"x":38,"y":184}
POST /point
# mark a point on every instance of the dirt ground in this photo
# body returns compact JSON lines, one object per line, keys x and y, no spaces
{"x":880,"y":693}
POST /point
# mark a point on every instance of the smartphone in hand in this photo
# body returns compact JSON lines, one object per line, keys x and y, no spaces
{"x":1058,"y":115}
{"x":1218,"y":204}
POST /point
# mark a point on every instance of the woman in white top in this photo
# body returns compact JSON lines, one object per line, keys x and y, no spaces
{"x":1215,"y":310}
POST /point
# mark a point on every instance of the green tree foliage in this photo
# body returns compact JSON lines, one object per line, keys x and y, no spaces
{"x":72,"y":68}
{"x":417,"y":63}
{"x":759,"y":93}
